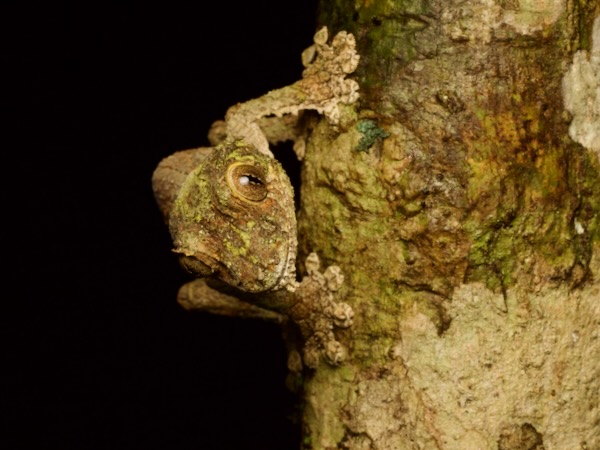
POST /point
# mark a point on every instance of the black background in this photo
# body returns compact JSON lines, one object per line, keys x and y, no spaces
{"x":96,"y":353}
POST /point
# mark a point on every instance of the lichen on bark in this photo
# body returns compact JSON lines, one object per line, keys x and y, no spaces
{"x":468,"y":231}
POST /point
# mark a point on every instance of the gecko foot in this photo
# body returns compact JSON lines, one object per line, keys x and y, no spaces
{"x":318,"y":314}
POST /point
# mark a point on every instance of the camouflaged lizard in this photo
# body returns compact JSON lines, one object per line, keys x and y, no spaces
{"x":230,"y":209}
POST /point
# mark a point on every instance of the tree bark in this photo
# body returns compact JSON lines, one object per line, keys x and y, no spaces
{"x":461,"y":198}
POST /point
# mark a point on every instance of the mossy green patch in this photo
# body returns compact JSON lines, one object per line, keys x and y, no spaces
{"x":370,"y":134}
{"x":526,"y":215}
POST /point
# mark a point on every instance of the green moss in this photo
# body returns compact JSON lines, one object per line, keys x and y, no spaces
{"x":586,"y":175}
{"x":327,"y":390}
{"x":370,"y":134}
{"x":588,"y":10}
{"x":307,"y":441}
{"x":347,"y":372}
{"x":372,"y":350}
{"x":530,"y":212}
{"x":386,"y":35}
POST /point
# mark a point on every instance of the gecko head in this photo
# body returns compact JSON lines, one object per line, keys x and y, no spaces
{"x":234,"y":219}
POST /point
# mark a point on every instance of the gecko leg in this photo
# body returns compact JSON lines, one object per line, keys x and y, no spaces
{"x":198,"y":295}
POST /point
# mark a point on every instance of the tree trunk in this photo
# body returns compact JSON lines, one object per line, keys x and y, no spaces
{"x":461,"y":198}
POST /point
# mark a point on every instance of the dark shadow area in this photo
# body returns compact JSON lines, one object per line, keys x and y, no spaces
{"x":284,"y":153}
{"x":96,"y":352}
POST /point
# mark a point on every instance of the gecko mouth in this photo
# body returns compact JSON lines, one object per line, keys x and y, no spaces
{"x":256,"y":278}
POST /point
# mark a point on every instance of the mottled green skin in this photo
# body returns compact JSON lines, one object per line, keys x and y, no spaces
{"x":250,"y":245}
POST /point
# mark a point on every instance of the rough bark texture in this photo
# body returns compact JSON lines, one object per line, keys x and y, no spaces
{"x":461,"y":198}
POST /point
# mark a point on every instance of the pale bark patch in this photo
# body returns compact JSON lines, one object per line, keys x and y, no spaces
{"x":480,"y":21}
{"x":581,"y":93}
{"x":524,"y":362}
{"x":529,"y":16}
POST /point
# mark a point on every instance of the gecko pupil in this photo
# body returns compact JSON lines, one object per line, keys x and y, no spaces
{"x":250,"y":180}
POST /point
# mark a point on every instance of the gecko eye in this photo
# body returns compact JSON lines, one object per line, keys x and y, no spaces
{"x":247,"y":181}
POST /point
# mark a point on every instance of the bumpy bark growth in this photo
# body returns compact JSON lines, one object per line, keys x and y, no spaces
{"x":464,"y":210}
